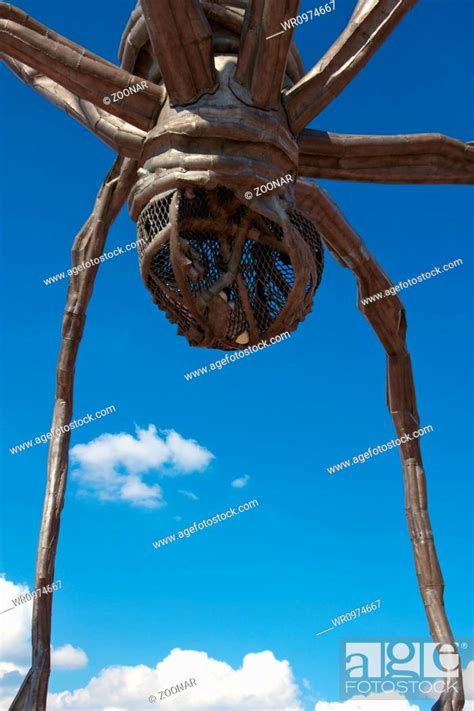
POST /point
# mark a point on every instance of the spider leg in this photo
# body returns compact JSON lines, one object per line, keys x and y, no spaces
{"x":262,"y":62}
{"x":232,"y":18}
{"x":417,"y":158}
{"x":387,"y":317}
{"x":124,"y":138}
{"x":371,"y":23}
{"x":179,"y":28}
{"x":134,"y":36}
{"x":88,"y":244}
{"x":85,"y":74}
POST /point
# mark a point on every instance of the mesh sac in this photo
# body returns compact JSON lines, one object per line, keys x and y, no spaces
{"x":215,"y":300}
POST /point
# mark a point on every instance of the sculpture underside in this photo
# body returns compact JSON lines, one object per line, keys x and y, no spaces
{"x":223,"y":112}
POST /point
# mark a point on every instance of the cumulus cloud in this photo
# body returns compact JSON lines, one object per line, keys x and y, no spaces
{"x":468,"y":679}
{"x":240,"y":482}
{"x":14,"y":640}
{"x":378,"y":702}
{"x":11,"y":677}
{"x":68,"y":657}
{"x":112,"y":467}
{"x":15,"y":643}
{"x":262,"y":682}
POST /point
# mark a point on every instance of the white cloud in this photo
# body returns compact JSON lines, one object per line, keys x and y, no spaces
{"x":11,"y":677}
{"x":262,"y":682}
{"x":14,"y":640}
{"x":240,"y":482}
{"x":136,"y":492}
{"x":189,"y":494}
{"x":68,"y":657}
{"x":468,"y":679}
{"x":378,"y":702}
{"x":186,"y":454}
{"x":112,"y":466}
{"x":15,"y":643}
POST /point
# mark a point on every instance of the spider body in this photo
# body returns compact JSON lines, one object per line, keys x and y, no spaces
{"x":218,"y":140}
{"x":228,"y":270}
{"x":227,"y":274}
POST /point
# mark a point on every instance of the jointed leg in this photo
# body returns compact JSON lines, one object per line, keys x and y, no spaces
{"x":417,"y":158}
{"x":122,"y":137}
{"x":83,"y":73}
{"x":262,"y":63}
{"x":371,"y":23}
{"x":134,"y":37}
{"x":232,"y":18}
{"x":387,"y":317}
{"x":88,"y":244}
{"x":179,"y":28}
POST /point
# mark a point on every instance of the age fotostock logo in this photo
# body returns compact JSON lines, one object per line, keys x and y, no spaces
{"x":415,"y":669}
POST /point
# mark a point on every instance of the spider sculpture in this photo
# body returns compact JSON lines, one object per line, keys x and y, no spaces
{"x":203,"y":110}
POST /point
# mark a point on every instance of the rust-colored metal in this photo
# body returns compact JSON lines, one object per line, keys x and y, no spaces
{"x":371,"y":23}
{"x":180,"y":29}
{"x":88,"y":244}
{"x":224,"y":273}
{"x":260,"y":59}
{"x":387,"y":318}
{"x":230,"y":251}
{"x":417,"y":158}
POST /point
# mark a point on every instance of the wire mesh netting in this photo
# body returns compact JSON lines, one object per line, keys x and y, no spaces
{"x":226,"y":275}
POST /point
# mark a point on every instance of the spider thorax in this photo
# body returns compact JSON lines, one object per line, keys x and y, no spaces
{"x":223,"y":248}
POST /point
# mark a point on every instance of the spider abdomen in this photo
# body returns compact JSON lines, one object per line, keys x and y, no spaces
{"x":225,"y":273}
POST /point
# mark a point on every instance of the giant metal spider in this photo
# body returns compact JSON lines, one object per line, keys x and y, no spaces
{"x":207,"y":126}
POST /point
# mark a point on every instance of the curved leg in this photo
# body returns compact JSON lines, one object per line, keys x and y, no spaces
{"x":371,"y":23}
{"x":134,"y":36}
{"x":88,"y":244}
{"x":413,"y":158}
{"x":121,"y":136}
{"x":85,"y":74}
{"x":387,"y":317}
{"x":179,"y":28}
{"x":262,"y":63}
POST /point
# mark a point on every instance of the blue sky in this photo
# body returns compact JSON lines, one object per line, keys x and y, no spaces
{"x":317,"y":545}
